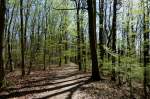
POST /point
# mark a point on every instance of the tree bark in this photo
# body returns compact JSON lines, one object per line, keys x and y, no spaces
{"x":146,"y":51}
{"x":92,"y":36}
{"x":8,"y":41}
{"x":101,"y":31}
{"x":79,"y":36}
{"x":114,"y":40}
{"x":22,"y":37}
{"x":2,"y":25}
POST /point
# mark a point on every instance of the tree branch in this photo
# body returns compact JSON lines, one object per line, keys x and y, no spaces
{"x":68,"y":8}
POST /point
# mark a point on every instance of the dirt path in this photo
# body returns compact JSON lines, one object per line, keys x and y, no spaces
{"x":57,"y":83}
{"x":64,"y":82}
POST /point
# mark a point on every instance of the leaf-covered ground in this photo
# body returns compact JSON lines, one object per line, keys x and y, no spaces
{"x":64,"y":82}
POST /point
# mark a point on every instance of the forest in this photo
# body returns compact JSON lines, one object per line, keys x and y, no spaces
{"x":74,"y":49}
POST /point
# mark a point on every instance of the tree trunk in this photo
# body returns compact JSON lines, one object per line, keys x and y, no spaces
{"x":66,"y":47}
{"x":92,"y":36}
{"x":146,"y":51}
{"x":22,"y":37}
{"x":101,"y":31}
{"x":26,"y":23}
{"x":83,"y":54}
{"x":79,"y":36}
{"x":2,"y":25}
{"x":114,"y":40}
{"x":8,"y":41}
{"x":44,"y":51}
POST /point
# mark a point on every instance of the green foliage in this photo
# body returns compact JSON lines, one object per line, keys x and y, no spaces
{"x":108,"y":50}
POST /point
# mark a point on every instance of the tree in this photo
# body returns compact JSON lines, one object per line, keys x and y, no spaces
{"x":92,"y":36}
{"x":22,"y":37}
{"x":79,"y":35}
{"x":101,"y":31}
{"x":83,"y":39}
{"x":9,"y":45}
{"x":45,"y":31}
{"x":114,"y":39}
{"x":2,"y":25}
{"x":146,"y":49}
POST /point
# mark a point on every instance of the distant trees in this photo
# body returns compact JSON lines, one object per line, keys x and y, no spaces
{"x":40,"y":33}
{"x":2,"y":26}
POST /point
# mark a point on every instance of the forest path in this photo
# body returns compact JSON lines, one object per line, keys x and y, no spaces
{"x":56,"y":83}
{"x":64,"y":82}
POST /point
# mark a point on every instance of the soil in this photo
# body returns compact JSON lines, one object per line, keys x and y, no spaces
{"x":64,"y":82}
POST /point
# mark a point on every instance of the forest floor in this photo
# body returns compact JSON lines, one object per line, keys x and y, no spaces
{"x":64,"y":82}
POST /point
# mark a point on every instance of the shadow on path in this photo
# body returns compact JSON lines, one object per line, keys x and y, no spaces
{"x":65,"y":81}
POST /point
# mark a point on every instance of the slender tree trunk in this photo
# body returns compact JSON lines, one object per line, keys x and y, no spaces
{"x":26,"y":23}
{"x":146,"y":51}
{"x":32,"y":44}
{"x":109,"y":36}
{"x":45,"y":36}
{"x":31,"y":50}
{"x":101,"y":31}
{"x":8,"y":41}
{"x":2,"y":26}
{"x":83,"y":54}
{"x":114,"y":40}
{"x":44,"y":57}
{"x":79,"y":36}
{"x":60,"y":50}
{"x":22,"y":37}
{"x":66,"y":47}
